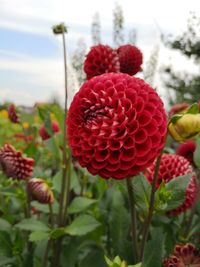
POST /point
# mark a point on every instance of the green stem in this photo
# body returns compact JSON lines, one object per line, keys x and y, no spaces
{"x":63,"y":195}
{"x":133,"y":218}
{"x":51,"y":215}
{"x":45,"y":258}
{"x":151,"y":209}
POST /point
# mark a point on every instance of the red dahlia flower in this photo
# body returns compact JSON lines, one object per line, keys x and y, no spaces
{"x":172,"y":166}
{"x":14,"y":164}
{"x":12,"y":114}
{"x":183,"y":256}
{"x":43,"y":132}
{"x":116,"y":125}
{"x":186,"y":150}
{"x":130,"y":58}
{"x":40,"y":191}
{"x":101,"y":59}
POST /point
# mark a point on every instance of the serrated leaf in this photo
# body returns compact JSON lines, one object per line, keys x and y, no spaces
{"x":38,"y":236}
{"x":177,"y":186}
{"x":32,"y":225}
{"x":196,"y":155}
{"x":193,"y":109}
{"x":79,"y":204}
{"x":141,"y":191}
{"x":82,"y":225}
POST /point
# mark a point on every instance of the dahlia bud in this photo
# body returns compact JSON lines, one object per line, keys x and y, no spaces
{"x":12,"y":114}
{"x":43,"y":131}
{"x":40,"y":191}
{"x":116,"y":125}
{"x":14,"y":164}
{"x":172,"y":166}
{"x":130,"y":58}
{"x":184,"y":255}
{"x":187,"y":127}
{"x":101,"y":59}
{"x":59,"y":28}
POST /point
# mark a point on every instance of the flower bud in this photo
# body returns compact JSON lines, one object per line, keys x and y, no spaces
{"x":12,"y":114}
{"x":40,"y":191}
{"x":187,"y":127}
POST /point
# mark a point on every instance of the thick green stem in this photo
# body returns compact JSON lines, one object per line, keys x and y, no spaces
{"x":151,"y":209}
{"x":133,"y":218}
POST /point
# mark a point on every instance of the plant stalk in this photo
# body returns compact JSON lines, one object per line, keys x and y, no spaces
{"x":151,"y":209}
{"x":133,"y":218}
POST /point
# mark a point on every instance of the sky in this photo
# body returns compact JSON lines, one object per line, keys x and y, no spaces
{"x":31,"y":63}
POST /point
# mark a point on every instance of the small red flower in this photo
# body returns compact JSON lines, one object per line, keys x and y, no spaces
{"x":40,"y":191}
{"x":183,"y":256}
{"x":43,"y":132}
{"x":101,"y":59}
{"x":187,"y":150}
{"x":116,"y":125}
{"x":178,"y":108}
{"x":12,"y":114}
{"x":172,"y":166}
{"x":14,"y":164}
{"x":130,"y":58}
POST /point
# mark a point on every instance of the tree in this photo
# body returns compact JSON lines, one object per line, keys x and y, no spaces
{"x":185,"y":87}
{"x":118,"y":26}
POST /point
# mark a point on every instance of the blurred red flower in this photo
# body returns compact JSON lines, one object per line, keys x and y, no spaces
{"x":14,"y":164}
{"x":12,"y":114}
{"x":187,"y":150}
{"x":43,"y":132}
{"x":130,"y":58}
{"x":183,"y":256}
{"x":101,"y":59}
{"x":116,"y":125}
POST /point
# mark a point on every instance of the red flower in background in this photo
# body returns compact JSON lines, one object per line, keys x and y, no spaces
{"x":12,"y":114}
{"x":116,"y":125}
{"x":178,"y":108}
{"x":130,"y":58}
{"x":186,"y":150}
{"x":101,"y":59}
{"x":172,"y":166}
{"x":40,"y":191}
{"x":183,"y":256}
{"x":14,"y":164}
{"x":43,"y":132}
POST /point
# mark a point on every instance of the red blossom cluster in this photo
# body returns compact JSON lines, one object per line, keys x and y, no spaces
{"x":43,"y":131}
{"x":103,"y":59}
{"x":12,"y":114}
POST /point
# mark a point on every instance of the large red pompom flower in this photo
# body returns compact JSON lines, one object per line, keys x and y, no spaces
{"x":187,"y":150}
{"x":14,"y":164}
{"x":183,"y":256}
{"x":116,"y":125}
{"x":12,"y":114}
{"x":101,"y":59}
{"x":172,"y":166}
{"x":43,"y":132}
{"x":130,"y":58}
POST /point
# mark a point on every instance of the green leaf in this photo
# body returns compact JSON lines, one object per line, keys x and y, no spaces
{"x":4,"y":261}
{"x":154,"y":249}
{"x":79,"y":204}
{"x":82,"y":225}
{"x":38,"y":236}
{"x":56,"y":233}
{"x":53,"y":147}
{"x":177,"y":187}
{"x":142,"y":191}
{"x":5,"y":225}
{"x":137,"y":265}
{"x":196,"y":155}
{"x":45,"y":207}
{"x":193,"y":109}
{"x":32,"y":225}
{"x":175,"y":118}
